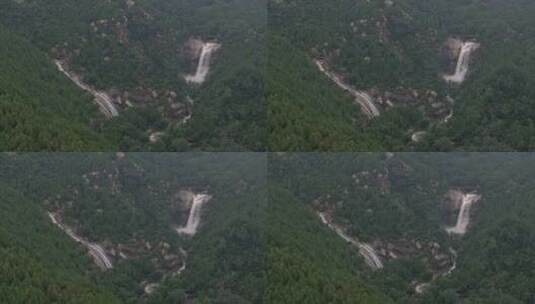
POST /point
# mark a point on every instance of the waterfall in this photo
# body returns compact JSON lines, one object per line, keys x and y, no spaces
{"x":462,"y":63}
{"x":194,"y":217}
{"x":102,"y":99}
{"x":203,"y":66}
{"x":463,"y":219}
{"x":184,"y":257}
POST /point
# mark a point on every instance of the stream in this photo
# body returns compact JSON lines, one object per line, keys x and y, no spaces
{"x":461,"y":226}
{"x":362,"y":98}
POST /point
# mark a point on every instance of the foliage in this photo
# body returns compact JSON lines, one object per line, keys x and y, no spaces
{"x":390,"y":45}
{"x":125,"y":46}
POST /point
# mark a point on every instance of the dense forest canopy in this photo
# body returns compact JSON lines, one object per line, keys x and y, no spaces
{"x":277,"y":228}
{"x":131,"y":205}
{"x":397,"y":51}
{"x":138,"y":53}
{"x":398,"y":203}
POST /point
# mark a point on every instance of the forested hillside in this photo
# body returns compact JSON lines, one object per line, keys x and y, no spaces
{"x":305,"y":263}
{"x":38,"y":264}
{"x":402,"y":209}
{"x":125,"y":229}
{"x":48,"y":114}
{"x":399,"y":52}
{"x":415,"y":228}
{"x":135,"y":56}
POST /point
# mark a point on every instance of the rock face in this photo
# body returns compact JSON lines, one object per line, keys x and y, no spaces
{"x":365,"y":250}
{"x":463,"y":61}
{"x":452,"y":47}
{"x":186,"y":198}
{"x":97,"y":253}
{"x":192,"y":48}
{"x":454,"y":199}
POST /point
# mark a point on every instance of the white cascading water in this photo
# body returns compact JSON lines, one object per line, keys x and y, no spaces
{"x":371,"y":257}
{"x":363,"y":98}
{"x":102,"y":99}
{"x":203,"y":67}
{"x":366,"y":251}
{"x":447,"y":118}
{"x":97,"y":253}
{"x":463,"y":219}
{"x":462,"y":63}
{"x":194,"y":217}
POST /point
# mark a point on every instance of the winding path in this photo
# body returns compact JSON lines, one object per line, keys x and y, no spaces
{"x":365,"y":250}
{"x":463,"y":219}
{"x":194,"y":218}
{"x":96,"y":251}
{"x":102,"y":99}
{"x":362,"y":98}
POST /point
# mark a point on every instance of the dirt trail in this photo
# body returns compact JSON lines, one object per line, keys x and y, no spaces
{"x":362,"y":98}
{"x":102,"y":99}
{"x":365,"y":250}
{"x":96,"y":251}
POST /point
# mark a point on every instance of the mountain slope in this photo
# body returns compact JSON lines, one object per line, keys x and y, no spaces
{"x":129,"y":209}
{"x":39,"y":265}
{"x":40,"y":109}
{"x":305,"y":263}
{"x":137,"y":55}
{"x":401,"y":206}
{"x":398,"y":52}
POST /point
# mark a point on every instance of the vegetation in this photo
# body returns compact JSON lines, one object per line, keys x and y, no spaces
{"x":397,"y":48}
{"x":130,"y":203}
{"x":39,"y":264}
{"x":135,"y":50}
{"x":49,"y":114}
{"x":306,"y":264}
{"x":396,"y":201}
{"x":261,"y":239}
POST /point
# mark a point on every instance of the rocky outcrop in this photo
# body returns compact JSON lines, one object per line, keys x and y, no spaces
{"x":453,"y":200}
